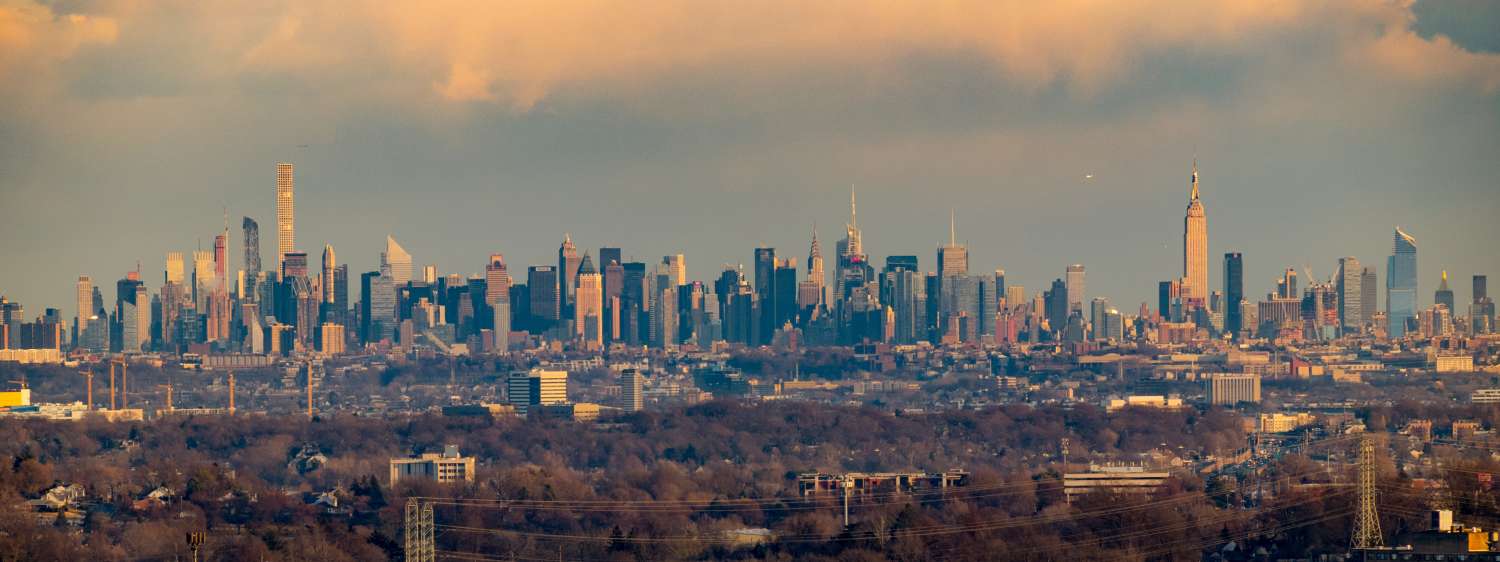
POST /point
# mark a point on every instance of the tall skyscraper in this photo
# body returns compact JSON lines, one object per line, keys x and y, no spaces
{"x":398,"y":261}
{"x":1234,"y":293}
{"x":1351,"y":294}
{"x":588,"y":308}
{"x":327,"y":277}
{"x":496,"y":281}
{"x":815,"y":274}
{"x":677,"y":265}
{"x":567,"y":271}
{"x":1075,"y":288}
{"x":850,"y":251}
{"x":85,"y":293}
{"x":1444,"y":295}
{"x":1369,"y":299}
{"x":1195,"y":245}
{"x":765,"y":294}
{"x":1482,"y":311}
{"x":286,"y":229}
{"x":953,"y":259}
{"x":252,"y":246}
{"x":1401,"y":283}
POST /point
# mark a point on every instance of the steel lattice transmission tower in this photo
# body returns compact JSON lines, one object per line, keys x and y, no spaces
{"x":1366,"y":518}
{"x":420,"y":546}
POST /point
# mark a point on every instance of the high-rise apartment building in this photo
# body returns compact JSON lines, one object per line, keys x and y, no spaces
{"x":252,"y":246}
{"x":327,"y":276}
{"x":1401,"y":284}
{"x":1195,"y":247}
{"x":631,"y":397}
{"x":1482,"y":309}
{"x":286,"y":230}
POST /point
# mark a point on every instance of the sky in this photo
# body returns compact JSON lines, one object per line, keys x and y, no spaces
{"x":1057,"y":132}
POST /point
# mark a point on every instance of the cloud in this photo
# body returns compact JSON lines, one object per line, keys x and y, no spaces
{"x":34,"y":41}
{"x":520,"y":53}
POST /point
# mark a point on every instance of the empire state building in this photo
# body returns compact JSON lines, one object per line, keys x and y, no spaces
{"x":1195,"y":247}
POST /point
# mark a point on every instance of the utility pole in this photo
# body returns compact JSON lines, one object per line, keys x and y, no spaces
{"x":112,"y":403}
{"x":420,"y":546}
{"x":1366,"y":518}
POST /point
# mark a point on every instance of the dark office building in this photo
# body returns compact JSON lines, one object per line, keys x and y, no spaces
{"x":546,"y":303}
{"x":1234,"y":292}
{"x":765,"y":294}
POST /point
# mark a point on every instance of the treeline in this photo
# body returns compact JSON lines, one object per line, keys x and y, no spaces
{"x":651,"y":485}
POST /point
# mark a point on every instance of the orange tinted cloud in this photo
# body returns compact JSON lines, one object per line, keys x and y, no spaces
{"x":517,"y":53}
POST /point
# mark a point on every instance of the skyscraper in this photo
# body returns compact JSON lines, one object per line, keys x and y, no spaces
{"x":765,"y":294}
{"x":588,"y":309}
{"x":814,"y":271}
{"x":1444,"y":295}
{"x":1482,"y":311}
{"x":953,"y":259}
{"x":252,"y":246}
{"x":545,"y":302}
{"x":1401,"y":283}
{"x":85,"y":293}
{"x":496,"y":280}
{"x":286,"y":233}
{"x":1075,"y":288}
{"x":398,"y":261}
{"x":327,"y":277}
{"x":1369,"y":299}
{"x":1195,"y":246}
{"x":567,"y":271}
{"x":850,"y":251}
{"x":1234,"y":293}
{"x":677,"y":265}
{"x":1351,"y":307}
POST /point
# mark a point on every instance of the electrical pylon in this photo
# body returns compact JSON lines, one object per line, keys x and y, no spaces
{"x":419,"y":545}
{"x":1366,"y":518}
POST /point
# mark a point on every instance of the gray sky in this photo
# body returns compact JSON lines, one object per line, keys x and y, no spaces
{"x":709,"y":128}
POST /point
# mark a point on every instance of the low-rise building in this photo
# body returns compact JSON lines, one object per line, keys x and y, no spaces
{"x":1127,"y":479}
{"x":444,"y":468}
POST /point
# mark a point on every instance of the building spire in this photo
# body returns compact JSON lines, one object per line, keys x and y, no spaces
{"x":952,"y":227}
{"x":853,"y":217}
{"x":1194,"y":195}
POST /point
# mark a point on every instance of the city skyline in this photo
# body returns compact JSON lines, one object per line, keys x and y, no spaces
{"x":408,"y":263}
{"x":1049,"y":159}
